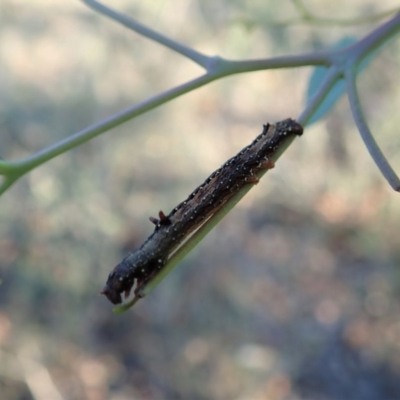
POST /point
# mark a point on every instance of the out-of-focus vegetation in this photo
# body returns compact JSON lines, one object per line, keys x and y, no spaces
{"x":294,"y":296}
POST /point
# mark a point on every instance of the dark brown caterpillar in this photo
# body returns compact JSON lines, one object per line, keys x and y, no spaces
{"x":201,"y":204}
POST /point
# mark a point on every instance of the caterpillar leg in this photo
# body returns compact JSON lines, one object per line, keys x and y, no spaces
{"x":267,"y":164}
{"x":252,"y":179}
{"x":164,"y":220}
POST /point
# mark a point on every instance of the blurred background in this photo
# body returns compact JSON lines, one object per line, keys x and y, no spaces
{"x":295,"y":295}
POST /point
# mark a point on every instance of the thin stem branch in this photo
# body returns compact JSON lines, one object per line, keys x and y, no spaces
{"x":323,"y":58}
{"x":145,"y":31}
{"x":331,"y":78}
{"x":7,"y":182}
{"x":5,"y":167}
{"x":105,"y":125}
{"x":219,"y":68}
{"x":359,"y":118}
{"x":367,"y":45}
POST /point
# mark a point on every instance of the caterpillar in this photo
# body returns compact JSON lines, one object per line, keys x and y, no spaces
{"x":172,"y":229}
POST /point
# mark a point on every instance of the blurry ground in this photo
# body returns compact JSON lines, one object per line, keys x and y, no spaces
{"x":295,"y":295}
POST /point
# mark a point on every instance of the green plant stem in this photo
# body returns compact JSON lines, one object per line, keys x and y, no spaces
{"x":331,"y":78}
{"x":216,"y":68}
{"x":220,"y":68}
{"x":145,"y":31}
{"x":357,"y":52}
{"x":361,"y":123}
{"x":210,"y":63}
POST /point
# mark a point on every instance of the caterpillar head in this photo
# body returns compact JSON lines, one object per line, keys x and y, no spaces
{"x":117,"y":283}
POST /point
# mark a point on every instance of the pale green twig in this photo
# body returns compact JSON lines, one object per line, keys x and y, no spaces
{"x":373,"y":148}
{"x":145,"y":31}
{"x":331,"y":78}
{"x":216,"y":68}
